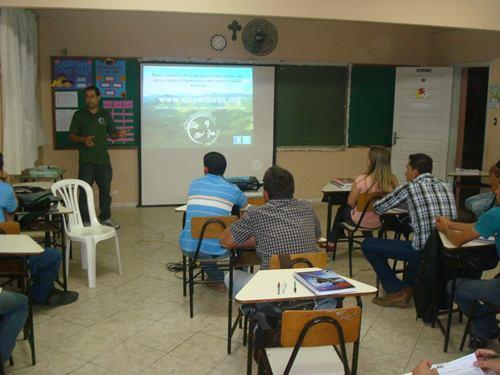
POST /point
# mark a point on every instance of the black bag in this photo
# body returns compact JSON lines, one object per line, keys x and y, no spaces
{"x":32,"y":198}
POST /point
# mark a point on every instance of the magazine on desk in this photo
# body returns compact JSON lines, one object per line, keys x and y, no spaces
{"x":322,"y":282}
{"x":342,"y":182}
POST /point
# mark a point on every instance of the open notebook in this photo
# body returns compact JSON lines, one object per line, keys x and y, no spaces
{"x":460,"y":366}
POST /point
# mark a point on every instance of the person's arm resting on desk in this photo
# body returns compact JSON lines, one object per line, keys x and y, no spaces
{"x":240,"y":234}
{"x":391,"y":200}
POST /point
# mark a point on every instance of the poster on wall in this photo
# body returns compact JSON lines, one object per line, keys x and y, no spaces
{"x":494,"y":97}
{"x":111,"y":78}
{"x":72,"y":74}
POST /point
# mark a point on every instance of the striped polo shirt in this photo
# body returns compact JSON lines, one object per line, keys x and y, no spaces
{"x":209,"y":195}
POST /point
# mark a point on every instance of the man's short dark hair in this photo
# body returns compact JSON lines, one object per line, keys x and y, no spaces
{"x":278,"y":183}
{"x":215,"y":163}
{"x":421,"y":162}
{"x":93,"y":88}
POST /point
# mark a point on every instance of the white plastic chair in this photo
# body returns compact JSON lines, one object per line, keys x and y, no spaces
{"x":87,"y":236}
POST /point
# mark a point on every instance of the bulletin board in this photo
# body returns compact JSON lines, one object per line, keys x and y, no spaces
{"x":117,"y":79}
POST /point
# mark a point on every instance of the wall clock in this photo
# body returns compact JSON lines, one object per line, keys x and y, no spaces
{"x":218,"y":42}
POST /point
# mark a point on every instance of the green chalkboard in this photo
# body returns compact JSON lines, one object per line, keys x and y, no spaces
{"x":119,"y":82}
{"x":371,"y":106}
{"x":310,"y":105}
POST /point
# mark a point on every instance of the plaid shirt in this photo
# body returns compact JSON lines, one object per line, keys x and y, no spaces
{"x":282,"y":226}
{"x":427,"y":197}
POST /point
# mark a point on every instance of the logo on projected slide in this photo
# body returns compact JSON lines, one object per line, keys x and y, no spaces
{"x":201,"y":128}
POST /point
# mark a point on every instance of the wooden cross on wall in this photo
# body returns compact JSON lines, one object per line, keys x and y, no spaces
{"x":234,"y":26}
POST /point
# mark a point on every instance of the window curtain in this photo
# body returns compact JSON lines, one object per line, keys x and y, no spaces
{"x":21,"y":120}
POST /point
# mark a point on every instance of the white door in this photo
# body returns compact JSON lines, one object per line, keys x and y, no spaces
{"x":422,"y":107}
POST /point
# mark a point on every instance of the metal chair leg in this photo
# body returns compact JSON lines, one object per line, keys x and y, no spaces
{"x":184,"y":276}
{"x":351,"y":246}
{"x":191,"y":288}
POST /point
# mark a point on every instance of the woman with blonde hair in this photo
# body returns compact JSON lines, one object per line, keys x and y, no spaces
{"x":378,"y":179}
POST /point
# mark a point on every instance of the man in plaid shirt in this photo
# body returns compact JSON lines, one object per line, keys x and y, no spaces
{"x":283,"y":225}
{"x":427,"y":198}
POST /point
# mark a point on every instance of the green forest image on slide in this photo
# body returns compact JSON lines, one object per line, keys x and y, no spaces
{"x":197,"y":106}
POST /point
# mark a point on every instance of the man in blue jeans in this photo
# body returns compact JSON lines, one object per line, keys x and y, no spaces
{"x":210,"y":195}
{"x":467,"y":291}
{"x":13,"y":313}
{"x":44,"y":268}
{"x":427,"y":198}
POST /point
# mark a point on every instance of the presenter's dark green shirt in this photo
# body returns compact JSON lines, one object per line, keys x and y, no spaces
{"x":98,"y":125}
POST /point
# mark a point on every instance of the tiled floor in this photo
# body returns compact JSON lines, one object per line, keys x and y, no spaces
{"x":138,"y":323}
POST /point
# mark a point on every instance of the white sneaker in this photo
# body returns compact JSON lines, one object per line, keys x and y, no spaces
{"x":109,"y":223}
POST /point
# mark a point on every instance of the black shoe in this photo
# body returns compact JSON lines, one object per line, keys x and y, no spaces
{"x":477,"y":342}
{"x":61,"y":298}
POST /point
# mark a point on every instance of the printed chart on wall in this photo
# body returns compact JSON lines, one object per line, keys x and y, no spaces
{"x":118,"y":82}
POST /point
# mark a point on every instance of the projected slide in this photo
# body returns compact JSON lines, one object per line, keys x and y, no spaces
{"x":191,"y":106}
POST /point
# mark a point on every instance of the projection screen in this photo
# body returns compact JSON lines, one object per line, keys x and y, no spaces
{"x":189,"y":110}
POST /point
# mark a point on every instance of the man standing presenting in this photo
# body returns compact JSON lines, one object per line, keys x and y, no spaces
{"x":89,"y":128}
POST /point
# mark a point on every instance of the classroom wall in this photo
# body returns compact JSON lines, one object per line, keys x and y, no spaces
{"x":492,"y":134}
{"x":184,"y":36}
{"x":478,"y":14}
{"x":470,"y":47}
{"x":463,"y":46}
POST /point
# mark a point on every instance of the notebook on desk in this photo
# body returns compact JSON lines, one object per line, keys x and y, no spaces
{"x":343,"y":182}
{"x":322,"y":282}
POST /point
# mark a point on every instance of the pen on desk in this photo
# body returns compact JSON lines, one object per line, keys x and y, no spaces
{"x":284,"y":287}
{"x":278,"y":287}
{"x":294,"y":286}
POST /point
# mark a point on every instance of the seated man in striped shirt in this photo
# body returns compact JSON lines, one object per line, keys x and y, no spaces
{"x":210,"y":195}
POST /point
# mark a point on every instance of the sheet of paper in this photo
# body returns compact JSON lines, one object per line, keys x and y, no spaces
{"x":461,"y":366}
{"x":63,"y":119}
{"x":66,"y":99}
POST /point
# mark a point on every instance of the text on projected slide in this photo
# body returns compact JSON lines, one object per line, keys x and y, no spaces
{"x":186,"y":106}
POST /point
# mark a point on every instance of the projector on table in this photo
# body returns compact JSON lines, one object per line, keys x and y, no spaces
{"x":245,"y":183}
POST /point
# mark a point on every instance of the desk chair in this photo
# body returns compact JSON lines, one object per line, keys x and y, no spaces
{"x":256,"y":201}
{"x":471,"y":316}
{"x":16,"y":268}
{"x":301,"y":260}
{"x":87,"y":236}
{"x":364,"y":204}
{"x":309,"y":341}
{"x":204,"y":228}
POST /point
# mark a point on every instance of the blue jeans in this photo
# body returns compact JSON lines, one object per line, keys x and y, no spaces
{"x":241,"y":278}
{"x":468,"y":291}
{"x":214,"y":273}
{"x":44,"y":270}
{"x":377,"y":251}
{"x":480,"y":203}
{"x":13,"y":312}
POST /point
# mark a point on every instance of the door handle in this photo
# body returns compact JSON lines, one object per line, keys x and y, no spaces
{"x":395,"y":138}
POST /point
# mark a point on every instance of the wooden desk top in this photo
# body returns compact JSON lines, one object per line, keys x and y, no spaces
{"x":471,"y":244}
{"x":332,"y":188}
{"x":468,"y":174}
{"x":19,"y":245}
{"x":263,"y":287}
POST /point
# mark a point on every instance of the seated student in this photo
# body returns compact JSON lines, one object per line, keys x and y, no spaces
{"x":283,"y":225}
{"x":378,"y":178}
{"x":480,"y":203}
{"x":427,"y":197}
{"x":468,"y":291}
{"x":487,"y":360}
{"x":44,"y":268}
{"x":210,"y":195}
{"x":13,"y":313}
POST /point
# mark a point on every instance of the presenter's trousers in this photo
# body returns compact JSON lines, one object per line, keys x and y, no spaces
{"x":101,"y":174}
